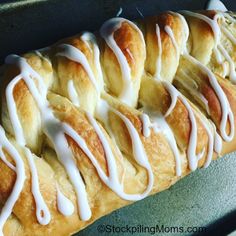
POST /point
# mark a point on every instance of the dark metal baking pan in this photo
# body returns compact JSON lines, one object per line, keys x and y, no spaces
{"x":207,"y":197}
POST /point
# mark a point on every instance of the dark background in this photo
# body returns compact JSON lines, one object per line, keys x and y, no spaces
{"x":40,"y":23}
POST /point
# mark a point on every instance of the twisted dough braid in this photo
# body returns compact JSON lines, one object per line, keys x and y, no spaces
{"x":98,"y":121}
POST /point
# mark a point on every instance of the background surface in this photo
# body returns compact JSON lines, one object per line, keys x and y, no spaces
{"x":206,"y":198}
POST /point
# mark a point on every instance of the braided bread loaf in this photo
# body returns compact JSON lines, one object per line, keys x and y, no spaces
{"x":96,"y":122}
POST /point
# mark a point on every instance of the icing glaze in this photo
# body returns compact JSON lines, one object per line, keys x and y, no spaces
{"x":159,"y":124}
{"x":42,"y":211}
{"x":74,"y":54}
{"x":219,"y":50}
{"x":227,"y":114}
{"x":216,"y":5}
{"x":65,"y":206}
{"x":56,"y":131}
{"x":52,"y":127}
{"x":19,"y":182}
{"x":193,"y":158}
{"x":172,"y":37}
{"x":73,"y":95}
{"x":137,"y":147}
{"x":159,"y":60}
{"x":107,"y":32}
{"x":88,"y":37}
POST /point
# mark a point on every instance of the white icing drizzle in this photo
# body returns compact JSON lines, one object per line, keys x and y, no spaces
{"x":217,"y":140}
{"x":227,"y":15}
{"x":74,"y":54}
{"x":147,"y":125}
{"x":53,"y":129}
{"x":159,"y":59}
{"x":219,"y":57}
{"x":39,"y":53}
{"x":186,"y":31}
{"x":42,"y":211}
{"x":127,"y":197}
{"x":227,"y":113}
{"x":89,"y":37}
{"x":107,"y":32}
{"x":174,"y":97}
{"x":56,"y":131}
{"x":194,"y":92}
{"x":170,"y":33}
{"x":11,"y":106}
{"x":113,"y":181}
{"x":19,"y":182}
{"x":216,"y":5}
{"x":191,"y":151}
{"x":73,"y":95}
{"x":217,"y":35}
{"x":211,"y":141}
{"x":137,"y":147}
{"x":101,"y":113}
{"x":232,"y":73}
{"x":159,"y":124}
{"x":65,"y":206}
{"x":226,"y":110}
{"x":111,"y":163}
{"x":212,"y":23}
{"x":215,"y":29}
{"x":208,"y":130}
{"x":4,"y":159}
{"x":228,"y":34}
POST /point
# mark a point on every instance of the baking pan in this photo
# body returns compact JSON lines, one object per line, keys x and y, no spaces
{"x":207,"y":197}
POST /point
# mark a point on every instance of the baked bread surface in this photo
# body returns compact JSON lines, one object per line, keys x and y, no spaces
{"x":98,"y":121}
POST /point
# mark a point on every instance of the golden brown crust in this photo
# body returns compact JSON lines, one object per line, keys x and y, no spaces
{"x":66,"y":70}
{"x":102,"y":199}
{"x":205,"y":54}
{"x":199,"y":82}
{"x":57,"y":70}
{"x":169,"y":59}
{"x":27,"y":109}
{"x":132,"y":46}
{"x":198,"y":47}
{"x":178,"y":119}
